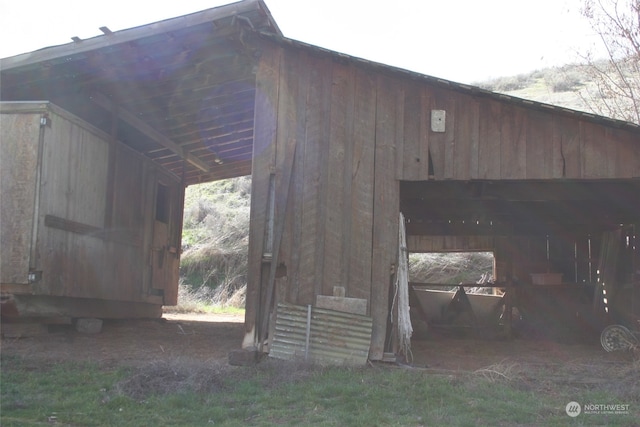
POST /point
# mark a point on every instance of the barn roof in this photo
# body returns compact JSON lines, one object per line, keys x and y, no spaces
{"x":184,"y":88}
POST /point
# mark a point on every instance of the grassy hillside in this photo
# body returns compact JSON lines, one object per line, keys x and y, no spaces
{"x":215,"y":242}
{"x":576,"y":87}
{"x":558,"y":86}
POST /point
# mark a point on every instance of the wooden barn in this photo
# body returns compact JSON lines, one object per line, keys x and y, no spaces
{"x":337,"y":148}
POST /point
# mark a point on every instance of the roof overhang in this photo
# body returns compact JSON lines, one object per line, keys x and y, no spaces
{"x":182,"y":89}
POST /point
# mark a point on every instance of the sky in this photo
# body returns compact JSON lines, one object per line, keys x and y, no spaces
{"x":466,"y":41}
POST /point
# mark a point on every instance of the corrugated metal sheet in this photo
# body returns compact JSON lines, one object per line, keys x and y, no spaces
{"x":332,"y":337}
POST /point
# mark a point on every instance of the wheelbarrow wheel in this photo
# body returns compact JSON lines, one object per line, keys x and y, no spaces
{"x":617,"y":337}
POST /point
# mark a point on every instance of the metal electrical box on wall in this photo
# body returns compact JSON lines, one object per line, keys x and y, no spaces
{"x":438,"y":120}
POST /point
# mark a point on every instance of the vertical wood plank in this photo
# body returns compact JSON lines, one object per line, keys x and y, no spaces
{"x":361,"y":175}
{"x":385,"y":210}
{"x":465,"y":153}
{"x":291,"y":132}
{"x":627,"y":155}
{"x":342,"y":93}
{"x":513,"y":143}
{"x":582,"y":259}
{"x":539,"y":145}
{"x":314,"y":192}
{"x":425,"y":132}
{"x":265,"y":126}
{"x":127,"y":224}
{"x":412,"y":157}
{"x":612,"y":147}
{"x":399,"y":92}
{"x":489,"y":154}
{"x":567,"y":158}
{"x":594,"y":150}
{"x":441,"y":144}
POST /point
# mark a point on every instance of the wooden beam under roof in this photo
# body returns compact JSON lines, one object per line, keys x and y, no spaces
{"x":130,"y":118}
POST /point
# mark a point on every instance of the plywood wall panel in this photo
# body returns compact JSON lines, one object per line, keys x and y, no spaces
{"x":19,"y":136}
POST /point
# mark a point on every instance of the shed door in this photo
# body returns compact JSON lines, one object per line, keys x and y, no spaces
{"x":166,"y":240}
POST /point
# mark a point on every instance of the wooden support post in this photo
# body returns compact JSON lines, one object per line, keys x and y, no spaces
{"x":508,"y":309}
{"x":635,"y":273}
{"x":509,"y":295}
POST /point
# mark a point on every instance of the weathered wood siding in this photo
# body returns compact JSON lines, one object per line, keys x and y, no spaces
{"x":72,"y":190}
{"x":357,"y":131}
{"x":92,"y":239}
{"x":341,"y":220}
{"x":488,"y":139}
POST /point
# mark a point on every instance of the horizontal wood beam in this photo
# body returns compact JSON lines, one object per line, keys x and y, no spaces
{"x":523,"y":191}
{"x":117,"y":236}
{"x":130,"y":118}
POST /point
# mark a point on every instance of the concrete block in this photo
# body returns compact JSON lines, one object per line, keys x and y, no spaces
{"x":89,"y":325}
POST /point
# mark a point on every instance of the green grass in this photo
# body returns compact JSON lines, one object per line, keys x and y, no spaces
{"x":277,"y":393}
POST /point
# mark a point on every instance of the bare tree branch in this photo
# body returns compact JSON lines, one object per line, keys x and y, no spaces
{"x":616,"y":90}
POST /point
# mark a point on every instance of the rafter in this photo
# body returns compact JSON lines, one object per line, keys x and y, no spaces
{"x":130,"y":118}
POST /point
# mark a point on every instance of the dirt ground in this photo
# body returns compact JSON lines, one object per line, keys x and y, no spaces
{"x":185,"y":337}
{"x":202,"y":338}
{"x":198,"y":344}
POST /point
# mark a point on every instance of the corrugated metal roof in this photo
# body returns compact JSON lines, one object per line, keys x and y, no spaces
{"x":330,"y":337}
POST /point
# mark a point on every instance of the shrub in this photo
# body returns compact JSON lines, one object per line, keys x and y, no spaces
{"x":563,"y":79}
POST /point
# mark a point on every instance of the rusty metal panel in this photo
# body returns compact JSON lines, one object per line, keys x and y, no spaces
{"x":321,"y":336}
{"x":19,"y":136}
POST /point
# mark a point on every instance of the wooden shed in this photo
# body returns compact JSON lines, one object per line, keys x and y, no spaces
{"x":337,"y":147}
{"x":90,"y":228}
{"x":99,"y":139}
